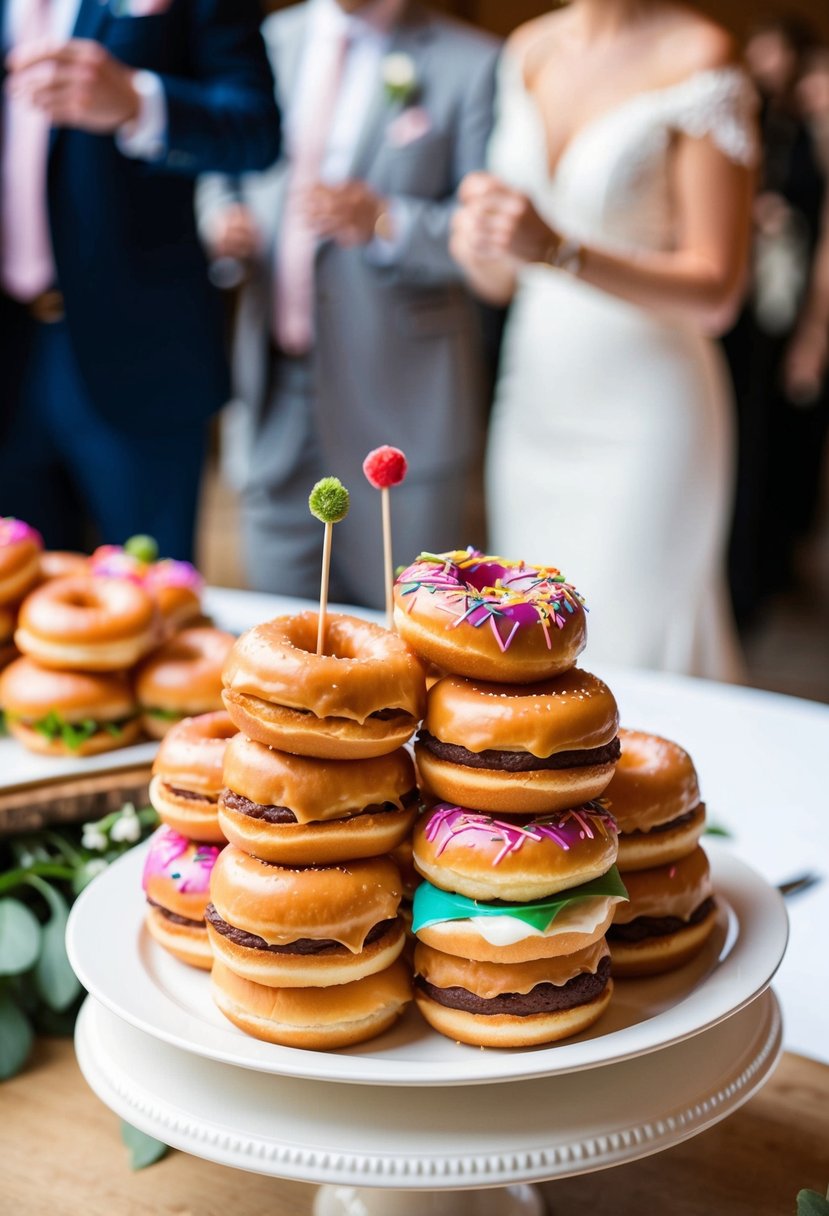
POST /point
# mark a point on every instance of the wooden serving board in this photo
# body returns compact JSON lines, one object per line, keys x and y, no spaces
{"x":72,"y":799}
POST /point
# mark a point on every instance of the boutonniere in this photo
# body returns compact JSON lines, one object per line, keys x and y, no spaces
{"x":399,"y":78}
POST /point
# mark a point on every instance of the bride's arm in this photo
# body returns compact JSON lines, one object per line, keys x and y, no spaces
{"x":491,"y":276}
{"x":700,"y":280}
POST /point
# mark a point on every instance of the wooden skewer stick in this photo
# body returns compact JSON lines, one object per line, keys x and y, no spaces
{"x":385,"y":498}
{"x":326,"y":573}
{"x":386,"y":467}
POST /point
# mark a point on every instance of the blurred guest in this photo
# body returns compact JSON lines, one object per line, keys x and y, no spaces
{"x":616,"y":219}
{"x":354,"y":328}
{"x":778,"y":347}
{"x":111,"y":353}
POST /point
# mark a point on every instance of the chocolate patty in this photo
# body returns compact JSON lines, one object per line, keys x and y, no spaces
{"x":657,"y":926}
{"x":190,"y":795}
{"x":304,"y":945}
{"x":175,"y":918}
{"x":281,"y":814}
{"x":519,"y":762}
{"x":544,"y":998}
{"x":679,"y":822}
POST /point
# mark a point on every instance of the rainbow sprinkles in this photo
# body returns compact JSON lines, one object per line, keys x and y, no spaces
{"x":448,"y":824}
{"x":482,"y":590}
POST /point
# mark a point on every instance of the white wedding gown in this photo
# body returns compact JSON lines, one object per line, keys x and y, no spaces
{"x":611,"y":453}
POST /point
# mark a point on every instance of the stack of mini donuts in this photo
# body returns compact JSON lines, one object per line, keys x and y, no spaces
{"x":318,"y":789}
{"x":102,"y":655}
{"x":654,"y":797}
{"x":188,"y":777}
{"x":518,"y":860}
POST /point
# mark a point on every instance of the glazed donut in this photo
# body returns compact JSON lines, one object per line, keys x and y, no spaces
{"x":518,"y":749}
{"x":177,"y":589}
{"x":512,"y":1004}
{"x":20,"y":550}
{"x":363,"y":697}
{"x":85,"y":623}
{"x":527,"y":859}
{"x":297,"y":811}
{"x":483,"y":617}
{"x":182,"y":678}
{"x":670,"y":916}
{"x":654,"y":797}
{"x":59,"y":563}
{"x":187,"y":775}
{"x":176,"y":882}
{"x":319,"y":1019}
{"x":68,"y":713}
{"x":304,"y":928}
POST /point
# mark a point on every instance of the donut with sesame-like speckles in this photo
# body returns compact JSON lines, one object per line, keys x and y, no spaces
{"x":516,"y":748}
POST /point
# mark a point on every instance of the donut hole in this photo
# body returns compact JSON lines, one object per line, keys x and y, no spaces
{"x":335,"y":644}
{"x":81,"y":599}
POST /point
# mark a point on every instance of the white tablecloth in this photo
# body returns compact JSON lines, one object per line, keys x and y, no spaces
{"x":762,"y":764}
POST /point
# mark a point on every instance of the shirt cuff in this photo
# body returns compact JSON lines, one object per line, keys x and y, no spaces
{"x":384,"y":250}
{"x":145,"y":136}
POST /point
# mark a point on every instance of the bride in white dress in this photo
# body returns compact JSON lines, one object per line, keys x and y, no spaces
{"x":615,"y":219}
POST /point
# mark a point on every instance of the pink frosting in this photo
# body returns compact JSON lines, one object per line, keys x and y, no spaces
{"x":13,"y":531}
{"x":170,"y":573}
{"x":173,"y":856}
{"x":565,"y":828}
{"x":114,"y":562}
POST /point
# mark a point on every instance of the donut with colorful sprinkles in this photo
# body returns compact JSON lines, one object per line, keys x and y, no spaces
{"x":476,"y":615}
{"x":176,"y":882}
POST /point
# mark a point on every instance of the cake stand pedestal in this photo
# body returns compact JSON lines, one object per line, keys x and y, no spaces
{"x":518,"y":1200}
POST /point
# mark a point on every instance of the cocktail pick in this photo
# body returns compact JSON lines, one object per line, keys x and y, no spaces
{"x":386,"y":467}
{"x":328,"y":502}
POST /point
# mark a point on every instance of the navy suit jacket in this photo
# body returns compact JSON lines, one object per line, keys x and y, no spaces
{"x":145,"y":323}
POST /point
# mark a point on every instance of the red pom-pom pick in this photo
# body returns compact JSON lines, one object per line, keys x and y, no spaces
{"x":385,"y":467}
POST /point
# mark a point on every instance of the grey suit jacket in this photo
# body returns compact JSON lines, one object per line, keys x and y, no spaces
{"x":398,"y":354}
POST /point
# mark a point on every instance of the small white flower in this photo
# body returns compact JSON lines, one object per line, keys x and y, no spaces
{"x":399,"y":76}
{"x":127,"y":827}
{"x":94,"y":839}
{"x":95,"y":867}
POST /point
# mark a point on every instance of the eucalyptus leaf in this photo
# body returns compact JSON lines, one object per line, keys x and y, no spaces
{"x":55,"y":980}
{"x":16,"y":1037}
{"x":20,"y":937}
{"x":810,"y":1203}
{"x":717,"y":829}
{"x":144,"y":1150}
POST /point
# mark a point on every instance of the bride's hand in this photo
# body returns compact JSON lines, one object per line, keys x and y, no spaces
{"x":495,"y":221}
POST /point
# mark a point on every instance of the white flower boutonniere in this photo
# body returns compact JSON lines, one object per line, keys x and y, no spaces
{"x":399,"y":77}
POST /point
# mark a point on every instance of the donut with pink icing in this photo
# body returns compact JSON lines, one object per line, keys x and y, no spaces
{"x":20,"y":550}
{"x":176,"y":882}
{"x":476,"y":615}
{"x":485,"y":858}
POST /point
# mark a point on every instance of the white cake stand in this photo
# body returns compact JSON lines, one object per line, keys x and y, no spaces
{"x":429,"y":1150}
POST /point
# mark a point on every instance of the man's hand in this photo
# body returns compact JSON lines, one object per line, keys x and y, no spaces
{"x":805,"y":364}
{"x":77,"y":84}
{"x":234,"y":233}
{"x":347,"y":214}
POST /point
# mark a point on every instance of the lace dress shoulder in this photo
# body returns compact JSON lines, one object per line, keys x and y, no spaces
{"x":719,"y":103}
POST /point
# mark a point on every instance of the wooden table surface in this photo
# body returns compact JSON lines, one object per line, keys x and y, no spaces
{"x":61,"y":1155}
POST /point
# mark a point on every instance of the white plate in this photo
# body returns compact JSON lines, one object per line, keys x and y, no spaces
{"x":120,"y":964}
{"x":363,"y":1136}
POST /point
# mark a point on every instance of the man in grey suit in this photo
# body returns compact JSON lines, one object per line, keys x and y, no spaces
{"x":353,"y":327}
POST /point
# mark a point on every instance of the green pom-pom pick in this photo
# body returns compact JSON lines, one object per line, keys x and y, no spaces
{"x":329,"y":500}
{"x":143,"y":548}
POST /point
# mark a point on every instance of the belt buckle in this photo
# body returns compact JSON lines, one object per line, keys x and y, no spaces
{"x":48,"y":308}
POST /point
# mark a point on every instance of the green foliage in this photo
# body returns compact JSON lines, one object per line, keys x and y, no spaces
{"x":41,"y":873}
{"x":144,"y":1150}
{"x":810,"y":1203}
{"x":329,"y":500}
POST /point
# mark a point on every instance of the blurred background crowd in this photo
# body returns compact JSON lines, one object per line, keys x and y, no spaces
{"x":234,"y":262}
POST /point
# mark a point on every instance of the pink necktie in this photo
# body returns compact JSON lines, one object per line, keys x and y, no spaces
{"x":28,"y":266}
{"x":297,"y":243}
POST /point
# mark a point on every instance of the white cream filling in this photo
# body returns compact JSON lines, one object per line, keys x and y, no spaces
{"x":583,"y":916}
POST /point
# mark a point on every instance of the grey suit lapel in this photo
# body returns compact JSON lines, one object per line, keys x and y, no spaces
{"x":410,"y":38}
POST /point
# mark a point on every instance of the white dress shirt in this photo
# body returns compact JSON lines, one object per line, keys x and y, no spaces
{"x":145,"y":137}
